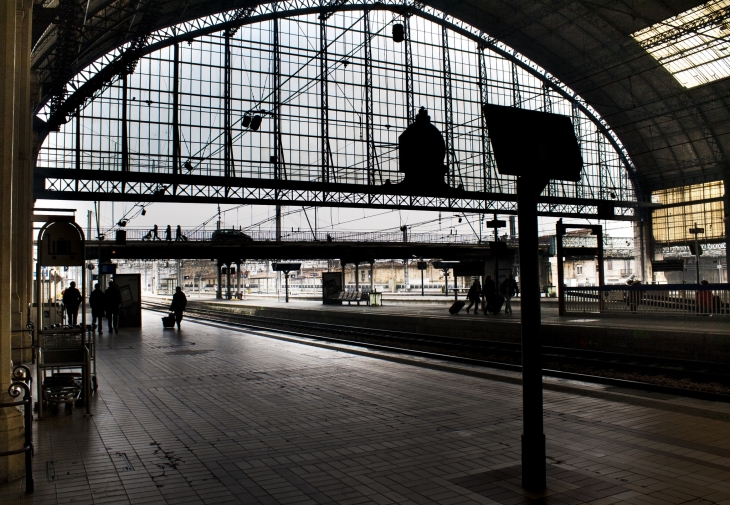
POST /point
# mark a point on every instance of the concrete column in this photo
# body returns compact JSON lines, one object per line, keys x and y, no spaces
{"x":643,"y":246}
{"x":11,"y":420}
{"x":22,"y":182}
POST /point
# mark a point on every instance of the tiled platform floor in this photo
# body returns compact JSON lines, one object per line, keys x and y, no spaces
{"x":217,"y":416}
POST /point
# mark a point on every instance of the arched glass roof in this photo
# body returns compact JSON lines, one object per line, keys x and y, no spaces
{"x":332,"y":92}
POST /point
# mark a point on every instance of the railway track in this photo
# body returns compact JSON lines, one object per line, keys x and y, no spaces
{"x":703,"y":380}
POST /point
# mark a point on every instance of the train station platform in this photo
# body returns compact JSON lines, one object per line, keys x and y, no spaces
{"x":681,"y":337}
{"x":215,"y":415}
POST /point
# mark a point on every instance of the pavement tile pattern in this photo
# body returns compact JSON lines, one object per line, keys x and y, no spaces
{"x":210,"y":415}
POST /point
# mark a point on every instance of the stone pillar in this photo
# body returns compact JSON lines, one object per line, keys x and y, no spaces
{"x":22,"y":184}
{"x":11,"y":420}
{"x":643,"y":246}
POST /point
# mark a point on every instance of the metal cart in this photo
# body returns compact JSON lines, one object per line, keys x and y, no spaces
{"x":65,"y":361}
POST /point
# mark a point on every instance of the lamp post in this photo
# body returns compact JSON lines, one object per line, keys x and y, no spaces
{"x":696,"y":231}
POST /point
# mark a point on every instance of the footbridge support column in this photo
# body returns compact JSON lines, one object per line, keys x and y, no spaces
{"x":219,"y":282}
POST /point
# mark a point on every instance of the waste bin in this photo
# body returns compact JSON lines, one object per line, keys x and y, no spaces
{"x":376,"y":299}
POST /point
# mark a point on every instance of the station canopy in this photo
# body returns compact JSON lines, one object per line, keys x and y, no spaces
{"x":655,"y":72}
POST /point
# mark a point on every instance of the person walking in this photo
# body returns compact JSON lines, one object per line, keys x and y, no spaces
{"x":508,"y":289}
{"x":112,"y":304}
{"x":179,"y":237}
{"x":488,"y":291}
{"x":72,"y":300}
{"x":155,"y":231}
{"x":179,"y":302}
{"x":474,"y":294}
{"x":96,"y":302}
{"x":168,"y":233}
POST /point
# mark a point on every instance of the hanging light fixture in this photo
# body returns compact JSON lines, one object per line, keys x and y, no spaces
{"x":398,"y":33}
{"x":256,"y":123}
{"x":246,"y":121}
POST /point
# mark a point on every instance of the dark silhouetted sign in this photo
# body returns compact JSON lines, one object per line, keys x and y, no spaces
{"x":528,"y":143}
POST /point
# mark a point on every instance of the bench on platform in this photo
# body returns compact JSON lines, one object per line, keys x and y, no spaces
{"x":355,"y":296}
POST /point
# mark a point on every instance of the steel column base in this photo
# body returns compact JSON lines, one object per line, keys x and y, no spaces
{"x":533,"y":462}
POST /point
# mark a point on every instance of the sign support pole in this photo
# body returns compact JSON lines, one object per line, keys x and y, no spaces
{"x":533,"y":438}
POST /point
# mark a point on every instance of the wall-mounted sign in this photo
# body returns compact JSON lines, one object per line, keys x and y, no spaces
{"x":61,"y":244}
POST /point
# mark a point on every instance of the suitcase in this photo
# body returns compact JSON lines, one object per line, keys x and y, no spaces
{"x":168,"y":321}
{"x":494,"y":304}
{"x":456,"y":307}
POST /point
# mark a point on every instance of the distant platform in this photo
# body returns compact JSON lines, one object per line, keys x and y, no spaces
{"x":683,"y":337}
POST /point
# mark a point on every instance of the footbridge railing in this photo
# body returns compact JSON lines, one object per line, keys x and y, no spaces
{"x":660,"y":299}
{"x":196,"y":235}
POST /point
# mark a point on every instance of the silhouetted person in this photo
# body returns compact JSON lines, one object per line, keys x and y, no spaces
{"x":179,"y":237}
{"x":96,"y":302}
{"x":703,"y":298}
{"x":508,"y":289}
{"x":112,"y":304}
{"x":72,"y":300}
{"x":475,"y":292}
{"x":168,"y":233}
{"x":634,"y":296}
{"x":488,"y":291}
{"x":155,"y":236}
{"x":179,"y":302}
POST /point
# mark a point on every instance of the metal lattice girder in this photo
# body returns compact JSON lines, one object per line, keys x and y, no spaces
{"x":88,"y":185}
{"x":692,"y":28}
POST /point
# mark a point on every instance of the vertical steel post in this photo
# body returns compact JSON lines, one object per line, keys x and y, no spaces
{"x":125,"y":146}
{"x":410,"y":106}
{"x":277,"y":122}
{"x":228,"y":153}
{"x":286,"y":285}
{"x":448,"y":110}
{"x":559,"y":232}
{"x":369,"y":140}
{"x":533,"y":439}
{"x":601,"y":280}
{"x":697,"y":252}
{"x":175,"y":113}
{"x":78,"y":145}
{"x":487,"y":160}
{"x":516,"y":94}
{"x":324,"y":101}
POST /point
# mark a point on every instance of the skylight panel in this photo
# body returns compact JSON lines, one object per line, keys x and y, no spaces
{"x":694,"y":46}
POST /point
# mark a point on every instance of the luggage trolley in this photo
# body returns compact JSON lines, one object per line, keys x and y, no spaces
{"x":66,"y":368}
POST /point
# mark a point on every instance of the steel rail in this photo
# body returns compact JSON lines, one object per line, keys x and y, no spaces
{"x":504,"y":348}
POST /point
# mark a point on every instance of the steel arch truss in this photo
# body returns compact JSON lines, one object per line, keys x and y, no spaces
{"x":332,"y":106}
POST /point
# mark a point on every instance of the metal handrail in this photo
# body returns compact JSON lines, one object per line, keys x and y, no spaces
{"x":660,"y":299}
{"x":21,"y":381}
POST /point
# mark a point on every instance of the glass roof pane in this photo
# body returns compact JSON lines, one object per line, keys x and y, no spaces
{"x":694,"y":46}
